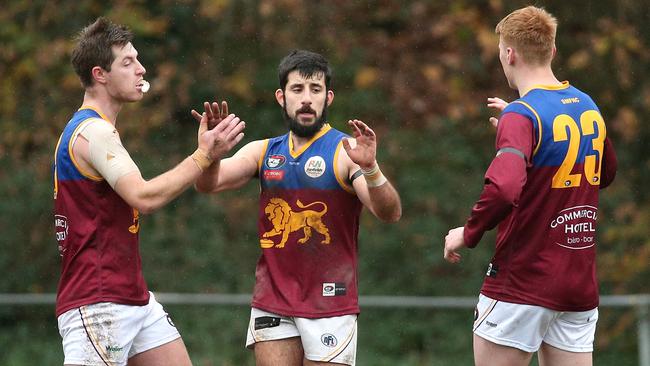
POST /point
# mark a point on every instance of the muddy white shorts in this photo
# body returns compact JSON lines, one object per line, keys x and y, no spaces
{"x":525,"y":327}
{"x":323,"y":339}
{"x":109,"y":334}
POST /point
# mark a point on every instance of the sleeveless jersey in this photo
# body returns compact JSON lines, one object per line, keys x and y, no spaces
{"x":97,"y":233}
{"x":546,"y":247}
{"x":308,"y":226}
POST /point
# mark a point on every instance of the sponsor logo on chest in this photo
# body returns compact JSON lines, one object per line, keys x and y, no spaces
{"x":315,"y":166}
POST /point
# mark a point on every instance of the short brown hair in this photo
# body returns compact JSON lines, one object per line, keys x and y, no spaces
{"x":95,"y":47}
{"x":531,"y":31}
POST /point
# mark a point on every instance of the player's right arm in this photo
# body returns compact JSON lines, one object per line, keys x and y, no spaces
{"x":609,"y":164}
{"x":99,"y":150}
{"x":234,"y":171}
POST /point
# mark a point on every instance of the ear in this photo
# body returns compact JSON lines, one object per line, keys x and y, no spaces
{"x":510,"y":55}
{"x":279,"y":96}
{"x":330,"y":97}
{"x":98,"y":74}
{"x":553,"y":53}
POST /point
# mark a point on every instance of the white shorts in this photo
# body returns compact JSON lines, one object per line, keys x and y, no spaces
{"x":109,"y":334}
{"x":323,"y":339}
{"x":525,"y":327}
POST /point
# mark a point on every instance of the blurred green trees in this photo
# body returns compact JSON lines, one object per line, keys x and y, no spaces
{"x":418,"y":72}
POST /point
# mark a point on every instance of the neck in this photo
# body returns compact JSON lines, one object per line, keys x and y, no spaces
{"x":528,"y":77}
{"x":298,"y":142}
{"x":104,"y":103}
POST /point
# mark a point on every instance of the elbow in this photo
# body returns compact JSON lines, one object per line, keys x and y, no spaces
{"x":145,"y":207}
{"x":392,"y":216}
{"x":508,"y":195}
{"x":206,"y":187}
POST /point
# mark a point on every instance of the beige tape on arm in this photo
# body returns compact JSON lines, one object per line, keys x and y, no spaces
{"x":374,"y":176}
{"x":201,"y":159}
{"x":107,"y":155}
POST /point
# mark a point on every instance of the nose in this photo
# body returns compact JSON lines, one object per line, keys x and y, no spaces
{"x":306,"y":97}
{"x":140,"y":69}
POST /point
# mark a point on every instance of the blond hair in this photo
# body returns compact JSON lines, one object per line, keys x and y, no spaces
{"x":530,"y":31}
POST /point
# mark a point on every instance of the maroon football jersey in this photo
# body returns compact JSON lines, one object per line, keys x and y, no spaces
{"x":542,"y":191}
{"x":97,"y":233}
{"x":308,"y":226}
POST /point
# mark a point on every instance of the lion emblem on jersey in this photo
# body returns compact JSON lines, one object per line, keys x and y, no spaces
{"x":286,"y":221}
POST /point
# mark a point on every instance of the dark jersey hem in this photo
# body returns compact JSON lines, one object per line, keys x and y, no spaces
{"x":285,"y":312}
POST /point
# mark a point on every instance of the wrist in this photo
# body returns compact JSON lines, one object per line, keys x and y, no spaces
{"x":369,"y":167}
{"x":201,"y":159}
{"x":374,"y":176}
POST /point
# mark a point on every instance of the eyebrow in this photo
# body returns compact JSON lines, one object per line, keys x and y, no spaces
{"x":307,"y":83}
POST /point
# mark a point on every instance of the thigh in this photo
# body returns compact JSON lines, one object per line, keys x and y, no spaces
{"x":281,"y":352}
{"x":513,"y":325}
{"x":157,"y":330}
{"x":573,"y":331}
{"x":171,"y":353}
{"x":487,"y":353}
{"x":99,"y":334}
{"x":329,"y":340}
{"x":552,"y":356}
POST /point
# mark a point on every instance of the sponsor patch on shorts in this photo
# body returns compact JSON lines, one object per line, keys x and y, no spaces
{"x":264,"y":322}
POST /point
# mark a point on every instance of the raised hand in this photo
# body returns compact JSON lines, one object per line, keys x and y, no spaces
{"x":498,"y":104}
{"x":365,"y":151}
{"x":213,"y":112}
{"x":227,"y":133}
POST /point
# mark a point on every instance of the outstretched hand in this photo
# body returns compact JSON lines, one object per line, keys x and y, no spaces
{"x":365,"y":151}
{"x":213,"y":112}
{"x":500,"y":105}
{"x":220,"y":139}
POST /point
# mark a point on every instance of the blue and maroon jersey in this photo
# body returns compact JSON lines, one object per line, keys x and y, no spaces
{"x":308,"y":226}
{"x":97,"y":232}
{"x":542,"y":190}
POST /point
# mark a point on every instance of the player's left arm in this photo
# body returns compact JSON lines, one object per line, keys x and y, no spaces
{"x":372,"y":187}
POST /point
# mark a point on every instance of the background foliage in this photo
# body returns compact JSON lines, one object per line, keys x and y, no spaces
{"x":419,"y":72}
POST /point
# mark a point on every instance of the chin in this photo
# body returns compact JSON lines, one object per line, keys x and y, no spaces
{"x":133,"y":98}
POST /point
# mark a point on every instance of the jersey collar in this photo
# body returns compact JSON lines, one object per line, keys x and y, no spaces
{"x":326,"y":127}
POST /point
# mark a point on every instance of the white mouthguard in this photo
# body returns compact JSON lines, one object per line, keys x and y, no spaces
{"x":145,"y":86}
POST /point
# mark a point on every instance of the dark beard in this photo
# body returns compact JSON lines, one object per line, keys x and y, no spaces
{"x":301,"y":130}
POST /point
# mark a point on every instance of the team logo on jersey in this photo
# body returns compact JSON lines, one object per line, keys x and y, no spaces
{"x":136,"y":222}
{"x":286,"y":221}
{"x":61,"y":227}
{"x":575,"y":227}
{"x":329,"y":340}
{"x":275,"y":161}
{"x":315,"y":166}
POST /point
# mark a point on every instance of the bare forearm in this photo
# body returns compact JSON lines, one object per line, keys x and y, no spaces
{"x":149,"y":196}
{"x":385,"y":202}
{"x":208,"y":181}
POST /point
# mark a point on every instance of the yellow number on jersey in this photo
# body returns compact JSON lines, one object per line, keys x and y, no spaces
{"x":566,"y":128}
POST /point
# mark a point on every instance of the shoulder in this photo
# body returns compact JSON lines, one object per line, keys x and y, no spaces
{"x":97,"y":128}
